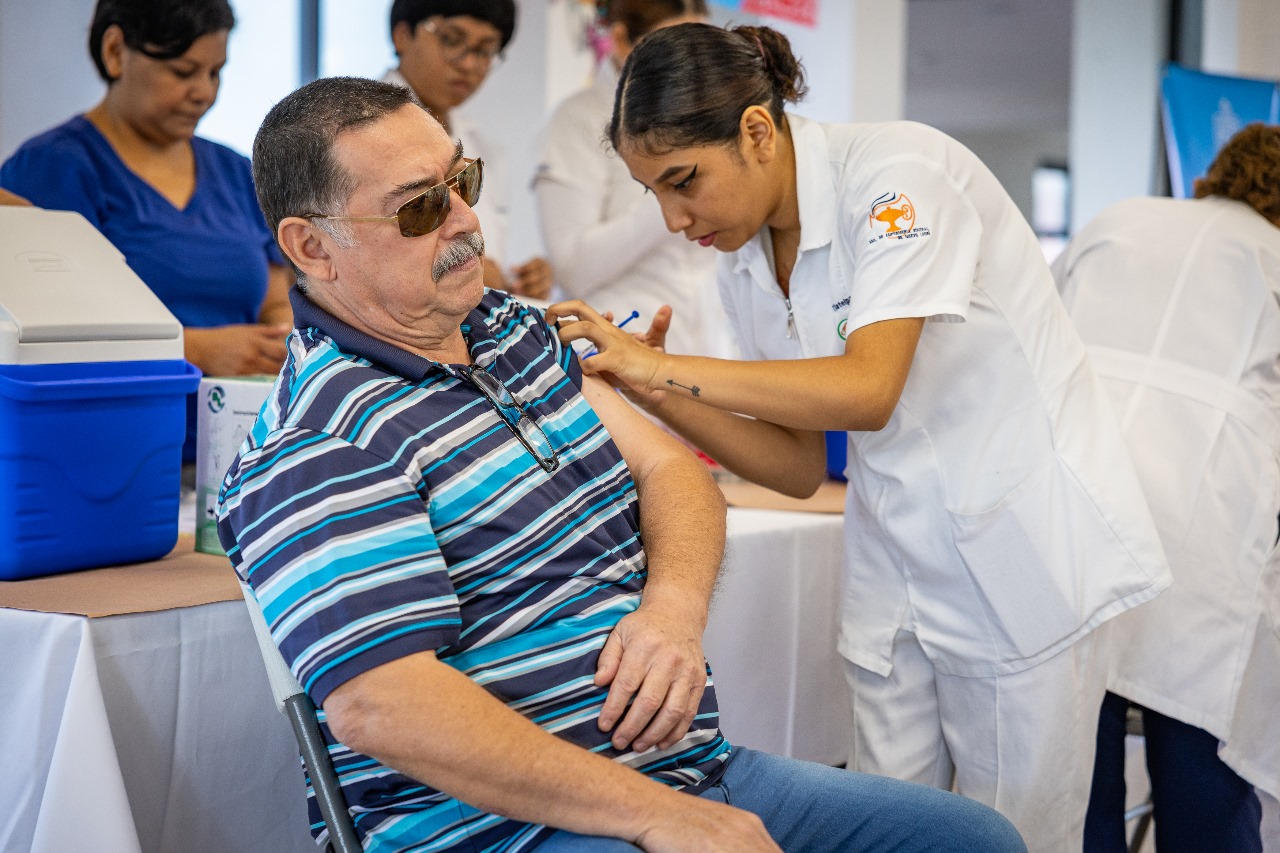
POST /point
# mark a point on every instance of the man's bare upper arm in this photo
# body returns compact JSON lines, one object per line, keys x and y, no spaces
{"x":642,"y":443}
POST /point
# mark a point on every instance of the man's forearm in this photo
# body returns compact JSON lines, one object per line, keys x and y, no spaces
{"x":430,"y":722}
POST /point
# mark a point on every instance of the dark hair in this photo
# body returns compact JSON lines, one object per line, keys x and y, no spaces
{"x":641,"y":17}
{"x":500,"y":13}
{"x":689,"y":85}
{"x":294,"y":170}
{"x":162,"y":29}
{"x":1247,"y":169}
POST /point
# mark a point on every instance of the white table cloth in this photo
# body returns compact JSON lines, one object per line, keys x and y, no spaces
{"x":149,"y":732}
{"x":156,"y":732}
{"x":771,"y":638}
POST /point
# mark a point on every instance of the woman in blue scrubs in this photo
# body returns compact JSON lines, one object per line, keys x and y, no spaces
{"x":181,"y":209}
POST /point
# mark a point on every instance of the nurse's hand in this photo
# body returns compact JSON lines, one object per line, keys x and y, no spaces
{"x":622,"y":359}
{"x":655,"y":337}
{"x":236,"y":350}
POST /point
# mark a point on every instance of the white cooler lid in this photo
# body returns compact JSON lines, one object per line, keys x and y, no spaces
{"x":66,"y":295}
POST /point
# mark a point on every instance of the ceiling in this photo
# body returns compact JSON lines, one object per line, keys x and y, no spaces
{"x":989,"y":65}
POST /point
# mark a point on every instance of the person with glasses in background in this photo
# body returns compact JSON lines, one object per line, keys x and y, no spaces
{"x":603,"y":232}
{"x":490,"y":573}
{"x":181,"y":209}
{"x":446,"y":49}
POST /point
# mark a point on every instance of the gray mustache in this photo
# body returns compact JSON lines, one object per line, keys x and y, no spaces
{"x":461,"y":250}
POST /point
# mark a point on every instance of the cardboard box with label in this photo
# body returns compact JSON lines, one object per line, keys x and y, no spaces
{"x":225,"y":413}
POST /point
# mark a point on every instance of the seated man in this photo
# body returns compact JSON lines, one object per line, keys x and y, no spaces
{"x":490,"y":573}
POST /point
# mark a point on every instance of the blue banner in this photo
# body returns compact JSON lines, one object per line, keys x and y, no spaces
{"x":1202,"y":111}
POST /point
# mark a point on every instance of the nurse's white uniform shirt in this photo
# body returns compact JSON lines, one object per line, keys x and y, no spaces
{"x":997,"y":514}
{"x":1179,"y":303}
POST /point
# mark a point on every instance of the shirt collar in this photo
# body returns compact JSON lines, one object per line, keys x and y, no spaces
{"x":402,"y":362}
{"x":815,"y":184}
{"x":815,"y":194}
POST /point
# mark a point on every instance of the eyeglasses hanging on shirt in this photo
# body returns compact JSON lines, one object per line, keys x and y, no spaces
{"x":522,"y":426}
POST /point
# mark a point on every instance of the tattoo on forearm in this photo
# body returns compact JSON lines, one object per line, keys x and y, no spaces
{"x":695,"y":390}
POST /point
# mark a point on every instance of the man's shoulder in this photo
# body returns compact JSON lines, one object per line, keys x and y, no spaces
{"x":507,"y":319}
{"x":328,"y":390}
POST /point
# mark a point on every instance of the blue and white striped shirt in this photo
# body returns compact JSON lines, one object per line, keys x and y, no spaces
{"x":382,"y":506}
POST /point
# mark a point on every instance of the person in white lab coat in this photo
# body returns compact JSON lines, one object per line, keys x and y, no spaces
{"x":603,"y":233}
{"x":446,"y":49}
{"x":1179,"y":302}
{"x":886,"y":285}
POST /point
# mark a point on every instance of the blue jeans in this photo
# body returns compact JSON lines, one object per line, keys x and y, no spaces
{"x":1199,"y":802}
{"x":812,"y":808}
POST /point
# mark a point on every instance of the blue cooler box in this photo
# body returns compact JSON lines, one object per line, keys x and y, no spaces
{"x":92,"y":402}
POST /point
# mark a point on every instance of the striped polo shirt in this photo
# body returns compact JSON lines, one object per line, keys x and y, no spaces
{"x":382,"y":506}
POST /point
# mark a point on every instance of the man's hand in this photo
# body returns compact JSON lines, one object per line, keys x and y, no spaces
{"x":707,"y":827}
{"x":431,"y":722}
{"x":652,"y":660}
{"x":14,"y":199}
{"x":236,"y":350}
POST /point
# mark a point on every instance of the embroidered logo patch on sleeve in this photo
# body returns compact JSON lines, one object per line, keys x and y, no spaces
{"x":893,"y":217}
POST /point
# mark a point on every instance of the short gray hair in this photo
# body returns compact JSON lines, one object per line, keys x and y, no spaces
{"x":294,"y":169}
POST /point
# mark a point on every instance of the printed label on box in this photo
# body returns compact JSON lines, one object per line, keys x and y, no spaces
{"x":226,"y":412}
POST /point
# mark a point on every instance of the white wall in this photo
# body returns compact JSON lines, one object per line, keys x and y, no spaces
{"x":262,"y":67}
{"x":1118,"y":51}
{"x":1242,"y":37}
{"x":46,"y":75}
{"x":355,"y":38}
{"x":1014,"y":155}
{"x":855,"y":60}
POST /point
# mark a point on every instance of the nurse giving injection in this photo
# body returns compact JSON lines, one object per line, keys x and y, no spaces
{"x":880,"y":281}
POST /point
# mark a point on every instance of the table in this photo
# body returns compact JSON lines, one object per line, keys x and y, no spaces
{"x":154,"y":732}
{"x":771,"y":638}
{"x":144,"y":732}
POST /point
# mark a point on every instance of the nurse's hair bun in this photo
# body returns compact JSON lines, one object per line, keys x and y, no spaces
{"x":689,"y":84}
{"x":777,"y":61}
